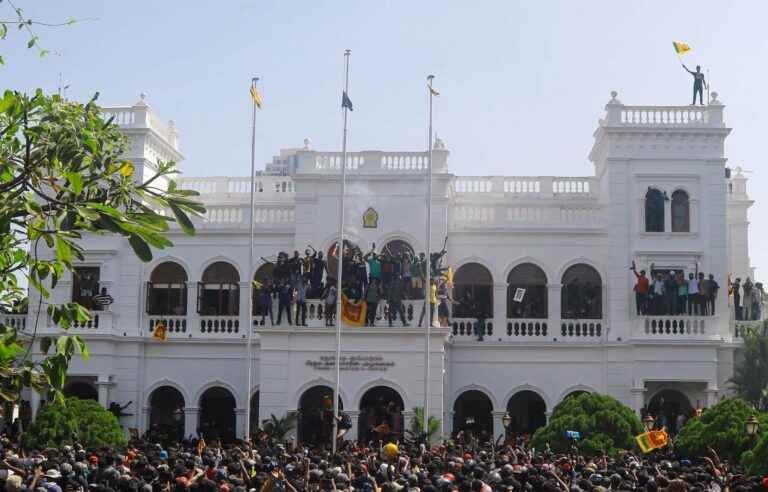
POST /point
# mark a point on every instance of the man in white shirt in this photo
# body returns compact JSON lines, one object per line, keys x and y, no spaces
{"x":693,"y":294}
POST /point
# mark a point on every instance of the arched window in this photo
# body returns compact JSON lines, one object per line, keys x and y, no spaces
{"x":398,"y":256}
{"x":681,"y":212}
{"x":582,"y":293}
{"x":654,"y":210}
{"x":473,"y":290}
{"x":167,"y":290}
{"x":527,"y":292}
{"x":219,"y":293}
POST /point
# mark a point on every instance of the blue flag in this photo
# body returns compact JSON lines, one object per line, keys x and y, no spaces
{"x":346,"y":102}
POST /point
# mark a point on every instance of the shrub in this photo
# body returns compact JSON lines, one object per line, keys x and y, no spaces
{"x":76,"y":420}
{"x":605,"y":424}
{"x":721,"y":427}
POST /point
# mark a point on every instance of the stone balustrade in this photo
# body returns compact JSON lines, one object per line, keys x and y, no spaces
{"x":266,"y":187}
{"x":620,"y":115}
{"x":675,"y":327}
{"x":16,"y":321}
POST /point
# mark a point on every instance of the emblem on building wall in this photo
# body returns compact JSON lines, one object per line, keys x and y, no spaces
{"x":371,"y":218}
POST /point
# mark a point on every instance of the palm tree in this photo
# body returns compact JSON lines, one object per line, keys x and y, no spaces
{"x":417,"y":424}
{"x":750,"y":372}
{"x":277,"y":428}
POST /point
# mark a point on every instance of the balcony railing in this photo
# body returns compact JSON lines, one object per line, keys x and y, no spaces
{"x":675,"y":327}
{"x":15,"y":321}
{"x":522,"y":330}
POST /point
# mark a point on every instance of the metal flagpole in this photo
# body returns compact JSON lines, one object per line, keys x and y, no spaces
{"x":428,"y":284}
{"x":249,"y":352}
{"x":340,"y":256}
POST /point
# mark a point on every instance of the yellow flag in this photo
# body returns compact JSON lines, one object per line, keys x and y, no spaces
{"x":256,"y":96}
{"x":353,"y":313}
{"x":160,"y":332}
{"x":432,"y":90}
{"x":681,"y":48}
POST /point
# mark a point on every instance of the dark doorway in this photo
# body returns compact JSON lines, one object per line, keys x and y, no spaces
{"x":166,"y":414}
{"x":381,"y":415}
{"x":255,"y":422}
{"x":315,"y":419}
{"x":666,"y":405}
{"x":473,"y":414}
{"x":217,"y":414}
{"x":527,"y":411}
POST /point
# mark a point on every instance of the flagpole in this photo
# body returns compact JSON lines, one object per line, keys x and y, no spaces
{"x":340,"y":257}
{"x":249,"y":351}
{"x":428,"y":284}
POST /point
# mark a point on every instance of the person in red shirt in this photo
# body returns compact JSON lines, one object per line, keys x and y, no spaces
{"x":641,"y":290}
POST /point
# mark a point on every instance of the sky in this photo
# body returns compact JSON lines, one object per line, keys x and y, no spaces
{"x":522,"y":83}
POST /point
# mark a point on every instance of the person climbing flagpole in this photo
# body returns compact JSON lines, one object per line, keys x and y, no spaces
{"x":428,"y":280}
{"x":346,"y":105}
{"x":256,"y":98}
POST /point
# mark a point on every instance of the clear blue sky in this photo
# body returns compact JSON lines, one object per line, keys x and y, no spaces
{"x":523,"y":83}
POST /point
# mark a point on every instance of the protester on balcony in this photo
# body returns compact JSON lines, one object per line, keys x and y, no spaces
{"x":657,"y":294}
{"x":418,"y":274}
{"x":734,"y":289}
{"x":432,"y":303}
{"x":374,"y":265}
{"x":682,"y":293}
{"x":746,"y":309}
{"x":693,"y":294}
{"x":395,"y":297}
{"x":641,"y":288}
{"x":318,"y":271}
{"x":300,"y":290}
{"x":329,"y":297}
{"x":372,"y":298}
{"x":284,"y":301}
{"x":714,"y":287}
{"x":670,"y":293}
{"x":705,"y":289}
{"x":265,"y":301}
{"x":759,"y":300}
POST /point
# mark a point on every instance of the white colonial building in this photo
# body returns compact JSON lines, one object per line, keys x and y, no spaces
{"x":661,"y":195}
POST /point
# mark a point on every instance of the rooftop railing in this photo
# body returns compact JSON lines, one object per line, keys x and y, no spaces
{"x":620,"y":115}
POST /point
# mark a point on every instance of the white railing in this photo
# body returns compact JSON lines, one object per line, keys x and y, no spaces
{"x":236,"y":216}
{"x":218,"y":326}
{"x":738,"y":328}
{"x":15,"y":321}
{"x":140,"y":116}
{"x":668,"y":326}
{"x":370,"y":162}
{"x":548,"y":214}
{"x":273,"y":186}
{"x":664,"y":116}
{"x":175,"y":326}
{"x":100,"y":322}
{"x":523,"y":329}
{"x":538,"y":187}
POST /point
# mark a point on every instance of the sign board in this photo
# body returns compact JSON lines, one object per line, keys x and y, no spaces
{"x":351,"y":363}
{"x":519,"y":295}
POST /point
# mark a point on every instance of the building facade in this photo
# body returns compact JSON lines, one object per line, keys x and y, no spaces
{"x":661,"y":196}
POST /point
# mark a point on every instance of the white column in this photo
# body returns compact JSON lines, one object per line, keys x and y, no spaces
{"x":245,"y":316}
{"x":103,"y":385}
{"x":498,"y":424}
{"x":711,"y":394}
{"x":240,"y":423}
{"x":448,"y":424}
{"x":191,"y":415}
{"x":354,"y":415}
{"x":499,"y":309}
{"x":554,"y":292}
{"x":638,"y":398}
{"x":34,"y":403}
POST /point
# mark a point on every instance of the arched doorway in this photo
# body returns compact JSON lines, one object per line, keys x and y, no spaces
{"x":397,"y":260}
{"x":582,"y":293}
{"x":381,"y":407}
{"x":167,"y":290}
{"x":527,"y":412}
{"x":217,"y":414}
{"x":527,"y":292}
{"x":219,"y":292}
{"x":82,"y":390}
{"x":315,"y":417}
{"x":166,"y":414}
{"x":473,"y":414}
{"x":666,"y":405}
{"x":473,"y":290}
{"x":332,"y":258}
{"x":255,"y":422}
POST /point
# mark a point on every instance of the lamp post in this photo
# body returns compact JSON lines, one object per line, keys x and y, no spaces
{"x":648,"y":422}
{"x":752,"y":426}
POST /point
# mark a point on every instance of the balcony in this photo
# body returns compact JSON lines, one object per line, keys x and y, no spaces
{"x":530,"y":330}
{"x":675,"y":327}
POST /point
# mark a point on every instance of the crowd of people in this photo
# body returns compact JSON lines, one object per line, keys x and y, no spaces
{"x":675,"y":293}
{"x":268,"y":466}
{"x":748,"y":299}
{"x":371,"y":277}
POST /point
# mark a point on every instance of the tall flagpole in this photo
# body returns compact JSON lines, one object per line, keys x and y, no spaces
{"x":428,"y":284}
{"x":249,"y":352}
{"x":340,"y":256}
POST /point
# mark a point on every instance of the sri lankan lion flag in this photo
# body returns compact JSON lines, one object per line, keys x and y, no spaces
{"x":160,"y":332}
{"x":651,"y":440}
{"x":681,"y":48}
{"x":255,"y":95}
{"x":352,"y":313}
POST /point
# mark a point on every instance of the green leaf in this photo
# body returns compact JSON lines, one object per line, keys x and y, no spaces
{"x":140,"y":247}
{"x":76,"y":182}
{"x":182,"y":219}
{"x":63,"y":250}
{"x":32,"y":41}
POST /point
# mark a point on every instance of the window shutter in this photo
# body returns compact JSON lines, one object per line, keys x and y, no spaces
{"x":184,"y":299}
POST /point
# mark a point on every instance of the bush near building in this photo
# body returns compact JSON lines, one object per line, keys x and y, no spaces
{"x":75,"y":421}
